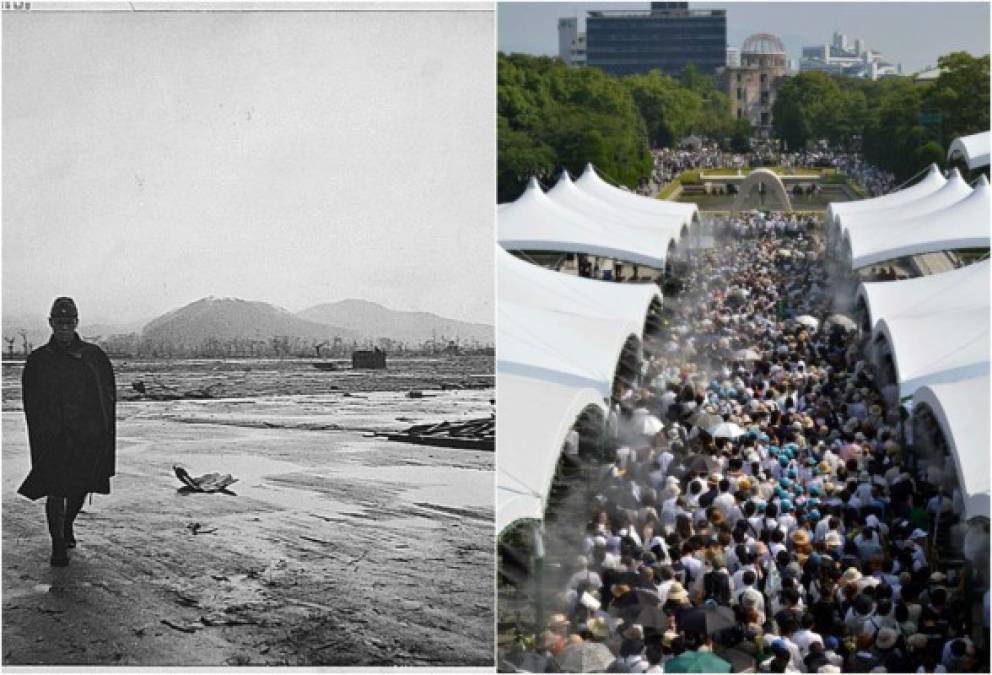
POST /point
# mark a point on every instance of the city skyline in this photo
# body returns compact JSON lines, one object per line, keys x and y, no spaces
{"x":959,"y":26}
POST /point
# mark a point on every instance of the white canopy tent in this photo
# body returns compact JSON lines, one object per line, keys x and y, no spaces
{"x":974,"y":149}
{"x":951,"y":192}
{"x":533,"y":418}
{"x":568,"y":196}
{"x":590,"y":183}
{"x":928,"y":184}
{"x":960,"y":409}
{"x":937,"y":347}
{"x":535,"y":223}
{"x":964,"y":224}
{"x":543,"y":288}
{"x":566,"y":348}
{"x":963,"y":288}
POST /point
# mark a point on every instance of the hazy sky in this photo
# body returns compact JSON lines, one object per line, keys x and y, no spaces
{"x":911,"y":33}
{"x":151,"y":159}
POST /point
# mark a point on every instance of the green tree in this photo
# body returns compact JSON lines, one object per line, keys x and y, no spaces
{"x":740,"y":135}
{"x":551,"y":117}
{"x":961,"y":95}
{"x":670,"y":111}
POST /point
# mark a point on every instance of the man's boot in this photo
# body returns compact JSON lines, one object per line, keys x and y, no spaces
{"x":55,"y":512}
{"x":73,"y":505}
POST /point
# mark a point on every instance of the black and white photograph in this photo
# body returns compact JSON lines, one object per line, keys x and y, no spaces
{"x":248,"y":323}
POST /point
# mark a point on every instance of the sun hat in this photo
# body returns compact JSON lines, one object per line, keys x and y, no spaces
{"x":851,"y":574}
{"x":677,"y":592}
{"x":598,"y":627}
{"x":886,"y":638}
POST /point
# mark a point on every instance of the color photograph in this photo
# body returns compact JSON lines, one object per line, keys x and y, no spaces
{"x":743,"y":337}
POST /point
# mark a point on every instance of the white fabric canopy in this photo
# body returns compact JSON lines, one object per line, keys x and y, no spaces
{"x":964,"y":224}
{"x":560,"y":346}
{"x":928,"y":184}
{"x":533,"y":417}
{"x":963,"y":288}
{"x":612,"y":216}
{"x":590,"y":183}
{"x":961,"y":409}
{"x":534,"y":285}
{"x":937,"y":347}
{"x":951,"y":192}
{"x":973,"y":149}
{"x":570,"y":198}
{"x":533,"y":222}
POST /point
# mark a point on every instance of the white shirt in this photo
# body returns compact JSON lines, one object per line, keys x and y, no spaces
{"x":804,"y":637}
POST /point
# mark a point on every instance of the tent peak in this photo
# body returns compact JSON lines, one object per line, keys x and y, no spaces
{"x":532,"y":184}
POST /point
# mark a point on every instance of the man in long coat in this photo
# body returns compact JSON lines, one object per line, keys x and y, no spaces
{"x":69,"y":399}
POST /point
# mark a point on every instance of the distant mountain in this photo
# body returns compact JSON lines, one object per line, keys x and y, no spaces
{"x":230,"y":318}
{"x":372,"y":320}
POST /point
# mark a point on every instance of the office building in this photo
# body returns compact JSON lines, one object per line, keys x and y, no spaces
{"x":668,"y":37}
{"x":842,"y":57}
{"x":571,"y":43}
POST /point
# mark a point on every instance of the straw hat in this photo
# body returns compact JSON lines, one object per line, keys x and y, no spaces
{"x":677,"y":592}
{"x":886,"y":638}
{"x":634,"y":632}
{"x":851,"y":575}
{"x":598,"y":627}
{"x":800,"y":537}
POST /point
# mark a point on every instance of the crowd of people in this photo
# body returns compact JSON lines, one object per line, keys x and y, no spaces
{"x":701,"y":155}
{"x":760,"y":505}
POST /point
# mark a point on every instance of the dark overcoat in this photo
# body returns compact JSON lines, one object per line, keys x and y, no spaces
{"x":69,"y":401}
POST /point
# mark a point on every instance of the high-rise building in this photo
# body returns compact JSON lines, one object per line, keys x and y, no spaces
{"x":668,"y":37}
{"x":733,"y":57}
{"x":753,"y":86}
{"x":571,"y":43}
{"x":841,"y":57}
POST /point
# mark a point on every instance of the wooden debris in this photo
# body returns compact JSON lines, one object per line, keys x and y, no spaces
{"x":477,"y":434}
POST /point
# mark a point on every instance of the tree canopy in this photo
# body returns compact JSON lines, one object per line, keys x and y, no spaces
{"x":552,"y":117}
{"x":903,"y":124}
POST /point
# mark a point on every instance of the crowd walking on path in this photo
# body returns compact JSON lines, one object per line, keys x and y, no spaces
{"x":777,"y":520}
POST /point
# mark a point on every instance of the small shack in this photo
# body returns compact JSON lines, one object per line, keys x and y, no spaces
{"x":368,"y":359}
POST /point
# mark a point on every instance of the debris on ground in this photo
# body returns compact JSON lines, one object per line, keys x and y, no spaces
{"x":208,"y":482}
{"x":475,"y":434}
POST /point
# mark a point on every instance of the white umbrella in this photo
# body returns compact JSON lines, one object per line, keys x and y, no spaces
{"x":646,"y":423}
{"x":725,"y":430}
{"x":706,"y":420}
{"x":747,"y":355}
{"x":808,"y":321}
{"x":845,"y":322}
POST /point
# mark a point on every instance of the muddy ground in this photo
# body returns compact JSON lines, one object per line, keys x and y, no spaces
{"x":336,"y":549}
